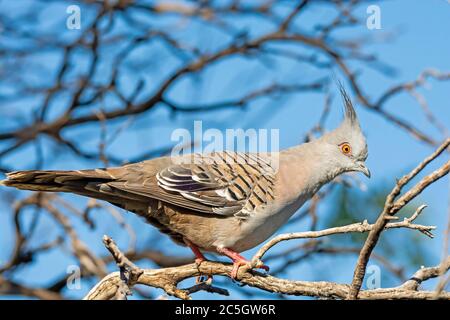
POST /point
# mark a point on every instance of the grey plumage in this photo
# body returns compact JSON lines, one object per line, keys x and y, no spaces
{"x":209,"y":201}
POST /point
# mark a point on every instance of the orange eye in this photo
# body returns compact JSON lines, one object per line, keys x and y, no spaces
{"x":346,"y":149}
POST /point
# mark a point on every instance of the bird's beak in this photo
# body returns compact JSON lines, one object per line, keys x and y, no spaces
{"x":361,"y":167}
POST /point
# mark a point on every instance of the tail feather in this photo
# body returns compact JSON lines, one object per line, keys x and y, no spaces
{"x":55,"y":180}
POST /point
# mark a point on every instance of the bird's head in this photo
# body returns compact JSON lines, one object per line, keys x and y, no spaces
{"x":346,"y":145}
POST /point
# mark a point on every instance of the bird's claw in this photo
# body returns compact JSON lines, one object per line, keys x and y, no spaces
{"x":207,"y":279}
{"x":239,"y":261}
{"x":260,"y":265}
{"x":248,"y":266}
{"x":203,"y":278}
{"x":199,"y":261}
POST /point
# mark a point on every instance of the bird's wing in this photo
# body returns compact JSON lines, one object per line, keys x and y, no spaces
{"x":223,"y":183}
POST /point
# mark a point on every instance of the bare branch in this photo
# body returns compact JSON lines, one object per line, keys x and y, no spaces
{"x":167,"y":279}
{"x":392,"y":207}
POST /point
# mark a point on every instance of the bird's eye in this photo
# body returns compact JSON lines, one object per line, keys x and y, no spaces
{"x":346,"y":149}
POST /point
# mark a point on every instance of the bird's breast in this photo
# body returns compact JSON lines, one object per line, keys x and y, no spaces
{"x":260,"y":226}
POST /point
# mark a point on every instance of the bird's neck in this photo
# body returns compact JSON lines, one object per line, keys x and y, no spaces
{"x":316,"y":168}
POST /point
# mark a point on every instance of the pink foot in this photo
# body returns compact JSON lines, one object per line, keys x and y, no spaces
{"x":238,"y":261}
{"x":199,"y":258}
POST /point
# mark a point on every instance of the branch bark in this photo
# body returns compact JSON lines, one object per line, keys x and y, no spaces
{"x":168,"y":278}
{"x":391,"y":207}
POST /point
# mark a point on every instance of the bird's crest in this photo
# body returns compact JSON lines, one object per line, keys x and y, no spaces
{"x":350,"y":114}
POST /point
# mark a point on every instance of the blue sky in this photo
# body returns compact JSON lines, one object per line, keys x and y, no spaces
{"x":421,"y":31}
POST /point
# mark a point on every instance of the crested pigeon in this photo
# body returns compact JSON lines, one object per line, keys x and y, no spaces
{"x":210,"y":203}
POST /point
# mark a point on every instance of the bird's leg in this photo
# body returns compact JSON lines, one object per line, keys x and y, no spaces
{"x":199,"y":258}
{"x":238,"y":261}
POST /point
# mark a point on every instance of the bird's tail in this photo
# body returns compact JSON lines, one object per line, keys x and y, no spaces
{"x":56,"y":180}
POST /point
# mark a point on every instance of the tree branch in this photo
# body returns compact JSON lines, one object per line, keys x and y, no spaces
{"x":168,"y":278}
{"x":391,"y":207}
